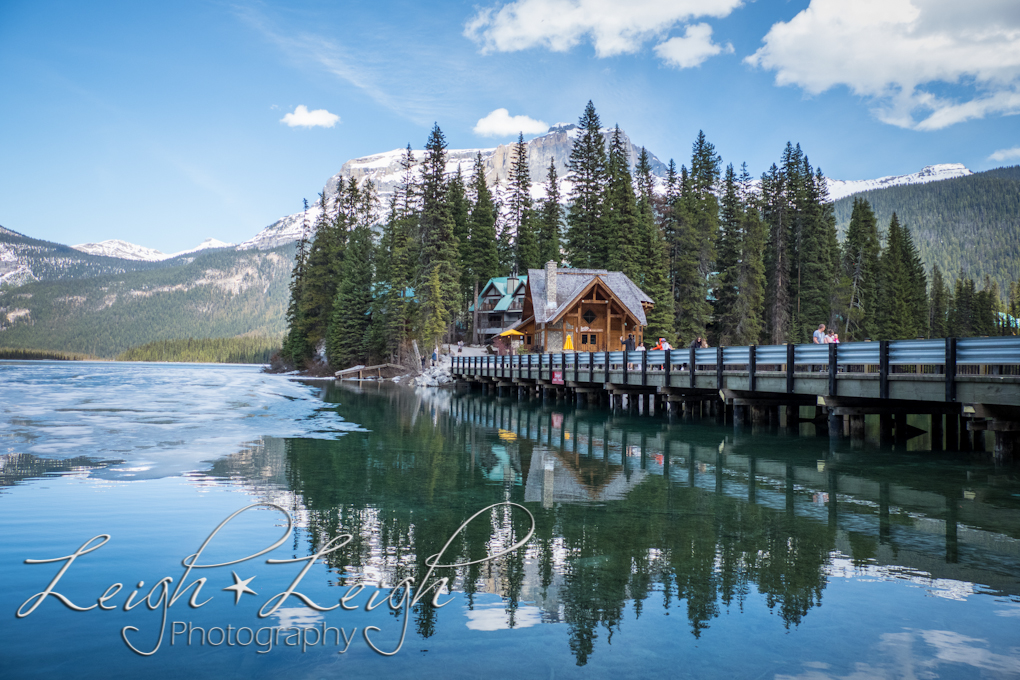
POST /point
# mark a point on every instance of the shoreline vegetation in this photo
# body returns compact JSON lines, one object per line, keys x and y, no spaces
{"x":238,"y":350}
{"x":19,"y":354}
{"x":256,"y":349}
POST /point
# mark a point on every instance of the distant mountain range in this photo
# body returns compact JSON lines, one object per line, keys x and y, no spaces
{"x":102,"y":298}
{"x":130,"y":251}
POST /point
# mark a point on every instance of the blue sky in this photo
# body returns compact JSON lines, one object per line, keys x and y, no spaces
{"x":164,"y":123}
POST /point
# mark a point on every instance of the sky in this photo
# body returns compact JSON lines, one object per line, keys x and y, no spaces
{"x":164,"y":124}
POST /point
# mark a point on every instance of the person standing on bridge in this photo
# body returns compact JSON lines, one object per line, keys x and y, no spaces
{"x":819,"y":336}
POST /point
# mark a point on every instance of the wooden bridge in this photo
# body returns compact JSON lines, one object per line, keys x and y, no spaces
{"x":974,"y":383}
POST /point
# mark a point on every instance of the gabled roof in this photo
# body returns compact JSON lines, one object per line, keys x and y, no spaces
{"x":499,"y":284}
{"x":572,"y":282}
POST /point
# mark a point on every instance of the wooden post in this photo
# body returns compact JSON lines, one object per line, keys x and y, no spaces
{"x":952,"y":432}
{"x":936,"y":432}
{"x":718,"y":367}
{"x":790,"y":350}
{"x":885,"y":428}
{"x":751,"y":365}
{"x":667,"y":366}
{"x":950,"y":369}
{"x":883,"y":369}
{"x":692,"y":367}
{"x":832,"y":370}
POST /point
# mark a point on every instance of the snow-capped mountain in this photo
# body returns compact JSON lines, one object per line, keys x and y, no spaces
{"x":839,"y":188}
{"x":131,"y":251}
{"x":386,"y":174}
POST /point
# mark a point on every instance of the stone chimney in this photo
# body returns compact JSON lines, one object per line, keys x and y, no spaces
{"x":550,"y":284}
{"x":511,"y":281}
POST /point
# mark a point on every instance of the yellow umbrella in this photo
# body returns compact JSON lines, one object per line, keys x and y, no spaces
{"x":510,"y":332}
{"x":569,"y":344}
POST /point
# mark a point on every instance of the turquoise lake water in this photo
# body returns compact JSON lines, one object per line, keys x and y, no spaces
{"x":648,"y":547}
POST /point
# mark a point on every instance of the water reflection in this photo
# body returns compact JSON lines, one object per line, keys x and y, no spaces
{"x":686,"y":517}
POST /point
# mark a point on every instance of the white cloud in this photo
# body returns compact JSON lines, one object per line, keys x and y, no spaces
{"x":302,"y":117}
{"x":692,"y":49}
{"x":613,"y":27}
{"x":500,"y":123}
{"x":1007,"y":155}
{"x":900,"y":53}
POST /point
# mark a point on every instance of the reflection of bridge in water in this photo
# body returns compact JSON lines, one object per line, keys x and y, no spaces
{"x":937,"y":525}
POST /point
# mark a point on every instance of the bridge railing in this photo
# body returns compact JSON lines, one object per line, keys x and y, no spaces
{"x":944,"y":357}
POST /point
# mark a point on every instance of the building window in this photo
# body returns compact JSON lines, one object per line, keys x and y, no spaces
{"x":584,"y":339}
{"x":589,"y":317}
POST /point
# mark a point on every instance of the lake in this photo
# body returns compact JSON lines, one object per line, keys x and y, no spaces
{"x":165,"y":519}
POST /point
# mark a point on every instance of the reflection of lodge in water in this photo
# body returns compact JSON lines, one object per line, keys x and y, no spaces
{"x":625,"y":508}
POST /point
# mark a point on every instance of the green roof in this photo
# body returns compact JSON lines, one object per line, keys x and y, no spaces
{"x":499,"y":283}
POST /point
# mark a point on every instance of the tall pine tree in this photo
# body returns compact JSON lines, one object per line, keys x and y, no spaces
{"x":860,"y":263}
{"x":653,"y":253}
{"x":437,"y":261}
{"x":621,"y":219}
{"x":520,"y":217}
{"x":550,"y":219}
{"x":586,"y":242}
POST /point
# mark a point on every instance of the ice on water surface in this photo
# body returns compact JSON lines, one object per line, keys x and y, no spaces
{"x":159,"y":419}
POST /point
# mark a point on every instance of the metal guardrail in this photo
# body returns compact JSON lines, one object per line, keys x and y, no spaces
{"x":995,"y":355}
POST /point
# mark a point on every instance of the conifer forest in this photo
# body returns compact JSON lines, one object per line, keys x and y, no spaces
{"x":731,"y":257}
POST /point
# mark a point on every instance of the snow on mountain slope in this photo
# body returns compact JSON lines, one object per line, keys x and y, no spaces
{"x":839,"y":188}
{"x":121,"y":249}
{"x":386,"y":174}
{"x":130,"y":251}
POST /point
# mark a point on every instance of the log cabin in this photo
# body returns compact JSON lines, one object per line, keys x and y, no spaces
{"x":596,"y":307}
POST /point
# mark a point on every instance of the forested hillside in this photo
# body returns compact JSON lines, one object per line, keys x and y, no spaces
{"x":969,"y":223}
{"x":219,"y":294}
{"x":24,"y":259}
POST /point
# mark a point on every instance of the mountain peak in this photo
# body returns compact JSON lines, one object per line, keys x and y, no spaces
{"x":131,"y":251}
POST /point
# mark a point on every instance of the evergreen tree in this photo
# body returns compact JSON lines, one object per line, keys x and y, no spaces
{"x":775,"y":212}
{"x":437,"y":261}
{"x":520,"y":218}
{"x":816,"y":261}
{"x":484,"y":259}
{"x":749,"y":309}
{"x":917,"y":282}
{"x":395,"y":259}
{"x":860,"y":262}
{"x":894,"y":315}
{"x":938,"y":305}
{"x":294,"y":347}
{"x":620,"y":221}
{"x":728,"y":248}
{"x":653,"y":253}
{"x":691,"y":308}
{"x":460,"y":210}
{"x":348,"y":339}
{"x":586,"y":242}
{"x":704,"y":178}
{"x":325,"y":259}
{"x":550,"y":219}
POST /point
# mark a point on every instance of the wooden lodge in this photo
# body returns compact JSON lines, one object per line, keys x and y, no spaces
{"x":595,"y":307}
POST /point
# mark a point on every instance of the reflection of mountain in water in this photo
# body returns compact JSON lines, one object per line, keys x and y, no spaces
{"x":629,"y":512}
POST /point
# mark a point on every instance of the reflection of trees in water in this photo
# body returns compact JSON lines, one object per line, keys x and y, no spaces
{"x":701,"y":548}
{"x":406,"y":486}
{"x":16,"y":467}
